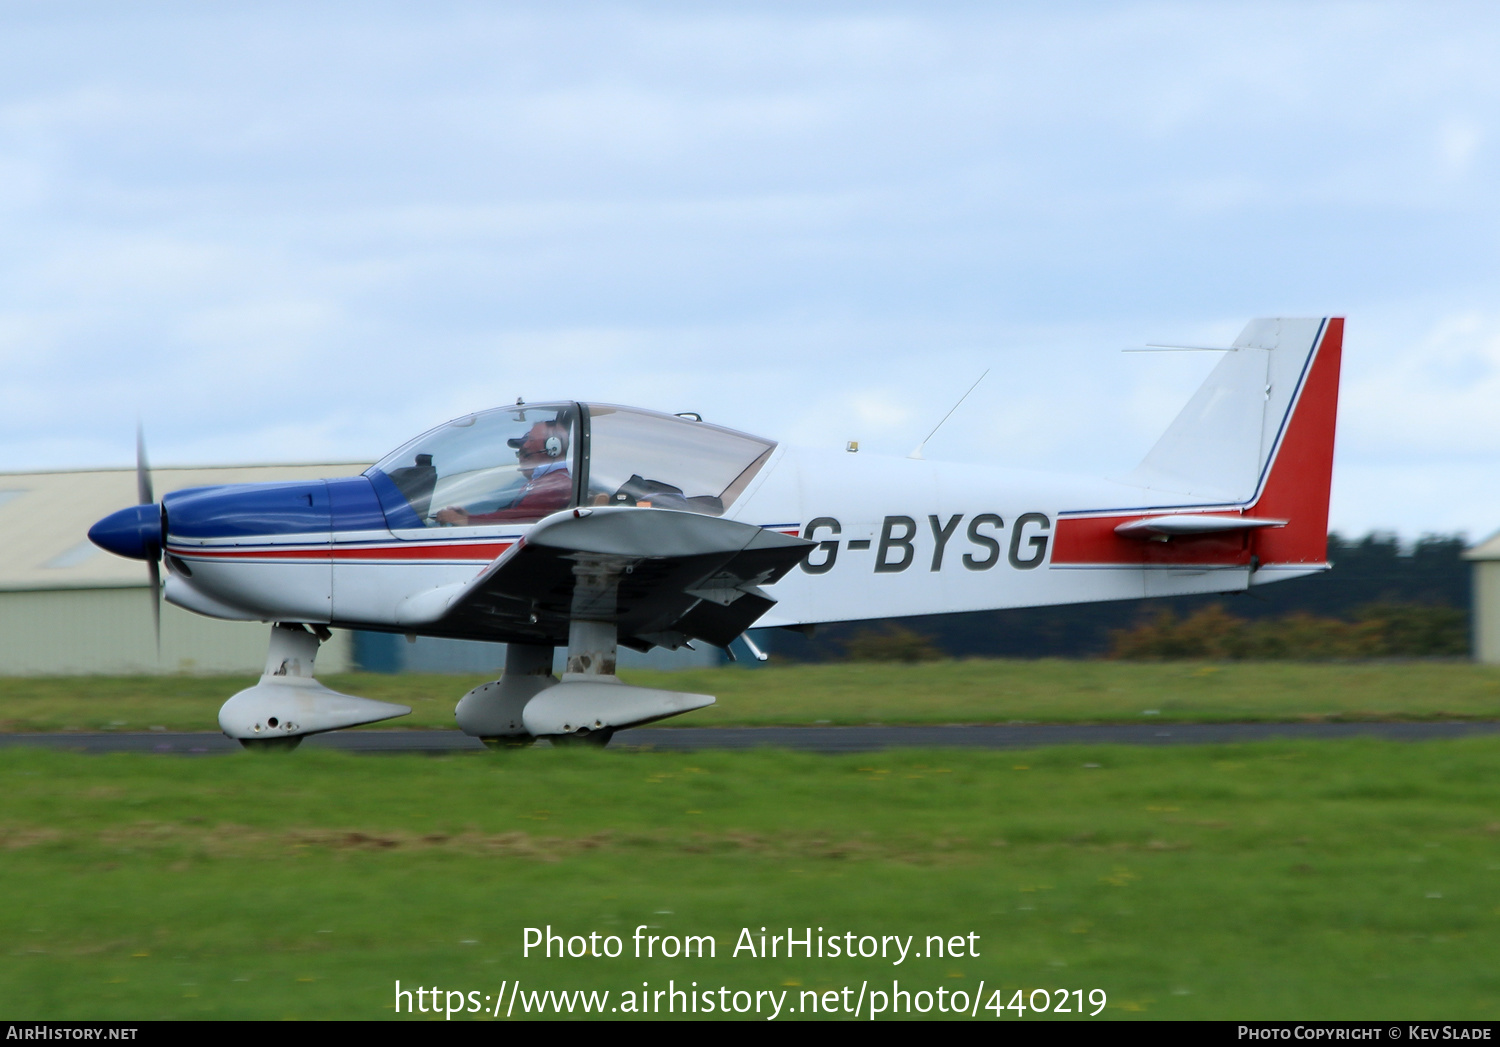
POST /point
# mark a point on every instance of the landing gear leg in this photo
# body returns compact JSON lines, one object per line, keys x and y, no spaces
{"x":592,"y":653}
{"x":589,"y":703}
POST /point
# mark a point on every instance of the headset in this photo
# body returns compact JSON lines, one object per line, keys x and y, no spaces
{"x":552,"y":447}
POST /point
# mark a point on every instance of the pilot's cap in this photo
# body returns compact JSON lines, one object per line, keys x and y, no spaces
{"x":544,"y":442}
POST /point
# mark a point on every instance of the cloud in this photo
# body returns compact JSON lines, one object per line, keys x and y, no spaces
{"x":1458,"y":143}
{"x":312,"y":231}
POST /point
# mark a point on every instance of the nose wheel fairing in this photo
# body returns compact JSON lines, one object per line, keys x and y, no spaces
{"x":287,"y":702}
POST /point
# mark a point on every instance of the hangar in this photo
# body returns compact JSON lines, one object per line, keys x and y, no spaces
{"x":67,"y":607}
{"x":1486,"y":559}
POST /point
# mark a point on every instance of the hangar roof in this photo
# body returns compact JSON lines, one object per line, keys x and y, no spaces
{"x":45,"y":518}
{"x":1489,"y":549}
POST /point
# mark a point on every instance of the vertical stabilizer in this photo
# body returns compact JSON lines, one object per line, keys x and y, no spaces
{"x":1218,"y":447}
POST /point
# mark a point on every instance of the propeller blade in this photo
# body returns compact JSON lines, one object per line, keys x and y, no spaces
{"x":145,"y":496}
{"x":142,"y":469}
{"x":154,"y":567}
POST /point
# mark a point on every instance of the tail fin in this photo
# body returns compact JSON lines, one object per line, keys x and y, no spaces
{"x":1298,"y":470}
{"x":1219,"y":445}
{"x":1256,"y":439}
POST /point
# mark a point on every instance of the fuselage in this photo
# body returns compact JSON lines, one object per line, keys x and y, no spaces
{"x":895,"y":537}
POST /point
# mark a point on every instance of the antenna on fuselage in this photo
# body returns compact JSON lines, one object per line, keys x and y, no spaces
{"x":917,"y":451}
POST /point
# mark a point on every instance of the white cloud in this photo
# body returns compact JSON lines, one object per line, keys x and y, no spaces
{"x":1430,"y":398}
{"x":310,"y":231}
{"x":1458,"y":142}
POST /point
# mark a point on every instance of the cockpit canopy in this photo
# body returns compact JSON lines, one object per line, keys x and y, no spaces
{"x":518,"y":464}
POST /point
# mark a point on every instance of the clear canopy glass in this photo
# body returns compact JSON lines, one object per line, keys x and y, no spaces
{"x":512,"y":465}
{"x":668,"y":461}
{"x":519,"y":464}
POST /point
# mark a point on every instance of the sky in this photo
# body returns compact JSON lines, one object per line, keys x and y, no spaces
{"x":305,"y":232}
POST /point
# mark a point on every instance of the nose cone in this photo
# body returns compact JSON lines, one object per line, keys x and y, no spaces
{"x":133,"y":532}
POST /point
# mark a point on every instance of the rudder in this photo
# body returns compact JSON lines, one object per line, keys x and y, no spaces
{"x":1299,"y":473}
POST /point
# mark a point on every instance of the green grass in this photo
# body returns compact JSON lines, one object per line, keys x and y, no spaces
{"x":1276,"y":880}
{"x":972,"y":691}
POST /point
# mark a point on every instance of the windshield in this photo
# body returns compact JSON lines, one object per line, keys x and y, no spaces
{"x":667,"y":461}
{"x":512,"y":465}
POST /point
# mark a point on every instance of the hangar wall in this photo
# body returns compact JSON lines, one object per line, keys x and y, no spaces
{"x":65,"y":632}
{"x":1487,"y":611}
{"x":391,"y":653}
{"x":67,"y":607}
{"x":1486,"y":617}
{"x":72,"y":631}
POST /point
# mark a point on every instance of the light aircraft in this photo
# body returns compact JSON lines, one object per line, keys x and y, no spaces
{"x":586,"y":526}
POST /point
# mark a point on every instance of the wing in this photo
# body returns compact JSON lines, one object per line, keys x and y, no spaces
{"x":663,"y":577}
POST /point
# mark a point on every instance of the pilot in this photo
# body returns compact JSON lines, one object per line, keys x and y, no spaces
{"x":543,"y":457}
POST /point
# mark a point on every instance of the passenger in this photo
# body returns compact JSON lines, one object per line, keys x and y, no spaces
{"x":543,"y":456}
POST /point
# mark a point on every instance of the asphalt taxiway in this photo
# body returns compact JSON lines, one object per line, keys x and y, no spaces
{"x":806,"y":739}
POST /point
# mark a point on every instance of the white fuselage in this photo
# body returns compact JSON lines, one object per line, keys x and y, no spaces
{"x":896,"y":536}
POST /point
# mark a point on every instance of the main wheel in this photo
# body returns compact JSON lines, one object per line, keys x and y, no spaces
{"x":269,"y":745}
{"x":596,"y":739}
{"x":509,"y":741}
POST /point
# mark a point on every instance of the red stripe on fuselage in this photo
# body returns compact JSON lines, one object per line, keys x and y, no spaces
{"x":476,"y":552}
{"x":1296,"y":490}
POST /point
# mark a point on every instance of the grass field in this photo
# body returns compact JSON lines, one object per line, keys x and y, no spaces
{"x":972,"y":691}
{"x":1276,"y":880}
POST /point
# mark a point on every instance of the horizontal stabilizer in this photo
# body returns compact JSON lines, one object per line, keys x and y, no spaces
{"x":1184,"y":523}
